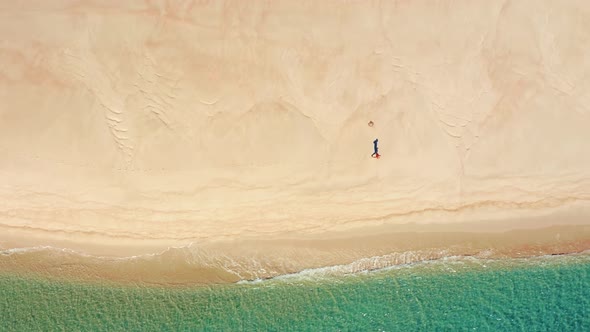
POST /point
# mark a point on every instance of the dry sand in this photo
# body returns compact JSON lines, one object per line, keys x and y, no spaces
{"x":239,"y":130}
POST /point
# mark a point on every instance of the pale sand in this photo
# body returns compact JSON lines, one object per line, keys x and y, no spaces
{"x":240,"y":128}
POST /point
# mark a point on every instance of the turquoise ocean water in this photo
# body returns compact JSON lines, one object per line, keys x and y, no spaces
{"x":538,"y":294}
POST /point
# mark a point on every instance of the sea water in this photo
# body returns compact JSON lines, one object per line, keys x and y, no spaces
{"x":456,"y":294}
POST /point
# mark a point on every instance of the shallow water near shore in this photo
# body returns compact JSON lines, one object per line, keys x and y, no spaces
{"x":549,"y":293}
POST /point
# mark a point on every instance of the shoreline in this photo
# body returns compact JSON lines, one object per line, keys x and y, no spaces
{"x":243,"y":259}
{"x":314,"y":274}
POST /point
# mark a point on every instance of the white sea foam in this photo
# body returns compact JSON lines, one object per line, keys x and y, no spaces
{"x":13,"y":251}
{"x":449,"y":263}
{"x":254,"y":268}
{"x":25,"y":250}
{"x":362,"y":266}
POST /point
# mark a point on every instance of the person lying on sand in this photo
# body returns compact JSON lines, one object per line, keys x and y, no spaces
{"x":376,"y":153}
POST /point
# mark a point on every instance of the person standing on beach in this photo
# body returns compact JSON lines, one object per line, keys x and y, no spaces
{"x":376,"y":149}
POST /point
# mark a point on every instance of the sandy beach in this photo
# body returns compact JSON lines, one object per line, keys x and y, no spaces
{"x":212,"y":142}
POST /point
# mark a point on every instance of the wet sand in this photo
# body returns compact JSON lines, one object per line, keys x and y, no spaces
{"x":340,"y":253}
